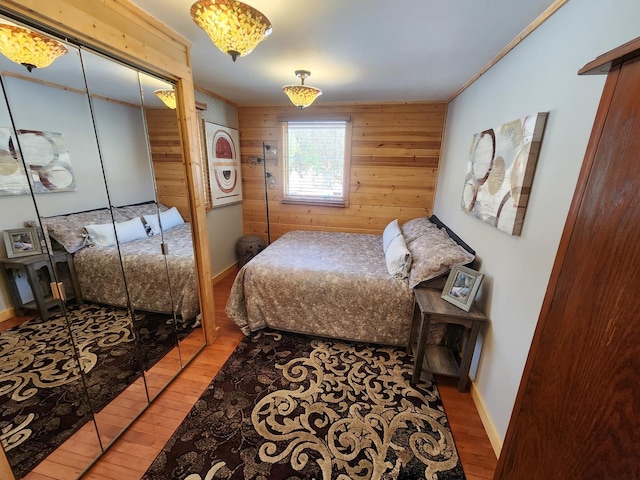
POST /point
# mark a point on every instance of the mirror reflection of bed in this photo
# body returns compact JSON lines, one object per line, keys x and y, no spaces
{"x":102,"y":192}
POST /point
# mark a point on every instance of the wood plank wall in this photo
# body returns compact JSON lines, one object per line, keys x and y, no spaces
{"x":395,"y":154}
{"x":168,"y":159}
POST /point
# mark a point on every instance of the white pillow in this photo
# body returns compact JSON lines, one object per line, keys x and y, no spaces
{"x":398,"y":258}
{"x":391,"y":231}
{"x":169,"y":219}
{"x":130,"y":230}
{"x":101,"y":235}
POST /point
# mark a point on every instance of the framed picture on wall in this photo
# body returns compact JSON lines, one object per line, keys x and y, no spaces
{"x":500,"y":171}
{"x":48,"y":161}
{"x":462,"y":286}
{"x":21,"y":242}
{"x":223,"y":155}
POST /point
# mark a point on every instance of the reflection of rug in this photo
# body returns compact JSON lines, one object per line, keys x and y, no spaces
{"x":42,"y":400}
{"x":287,"y":406}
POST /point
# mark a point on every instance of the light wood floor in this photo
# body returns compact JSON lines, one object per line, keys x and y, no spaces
{"x":131,"y":455}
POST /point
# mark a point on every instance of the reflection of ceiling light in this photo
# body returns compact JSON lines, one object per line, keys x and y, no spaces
{"x":302,"y":95}
{"x":234,"y":27}
{"x":168,"y":97}
{"x":29,"y":48}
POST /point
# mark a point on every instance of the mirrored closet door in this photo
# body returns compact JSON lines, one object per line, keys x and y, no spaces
{"x":55,"y":354}
{"x":175,"y":222}
{"x":104,"y":162}
{"x":118,"y":113}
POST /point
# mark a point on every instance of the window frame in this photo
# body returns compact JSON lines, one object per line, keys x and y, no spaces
{"x":346,"y":173}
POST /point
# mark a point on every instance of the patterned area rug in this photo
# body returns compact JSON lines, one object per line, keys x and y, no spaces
{"x":42,"y":399}
{"x":288,"y":406}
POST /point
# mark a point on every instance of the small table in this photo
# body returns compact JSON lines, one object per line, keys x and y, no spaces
{"x":30,"y":265}
{"x":429,"y":308}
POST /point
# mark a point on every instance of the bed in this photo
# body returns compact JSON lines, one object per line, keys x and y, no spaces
{"x":340,"y":285}
{"x":97,"y":263}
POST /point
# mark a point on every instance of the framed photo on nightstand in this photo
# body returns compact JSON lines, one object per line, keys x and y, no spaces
{"x":21,"y":242}
{"x":462,"y":286}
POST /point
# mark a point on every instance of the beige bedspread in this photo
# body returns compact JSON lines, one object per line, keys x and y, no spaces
{"x":100,"y":278}
{"x":326,"y":284}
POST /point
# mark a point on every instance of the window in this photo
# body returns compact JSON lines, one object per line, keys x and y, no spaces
{"x":316,"y":161}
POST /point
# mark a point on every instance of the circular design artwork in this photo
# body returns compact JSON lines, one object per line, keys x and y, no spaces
{"x":483,"y":150}
{"x":496,"y":177}
{"x":469,"y":196}
{"x":518,"y":171}
{"x":47,"y":158}
{"x":225,"y":172}
{"x":223,"y":146}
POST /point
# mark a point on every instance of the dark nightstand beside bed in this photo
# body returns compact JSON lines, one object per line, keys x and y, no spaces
{"x":430,"y":308}
{"x":30,"y":266}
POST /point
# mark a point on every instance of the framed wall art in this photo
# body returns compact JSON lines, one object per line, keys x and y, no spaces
{"x":223,"y":155}
{"x":462,"y":286}
{"x":47,"y":158}
{"x":13,"y":179}
{"x":500,"y":171}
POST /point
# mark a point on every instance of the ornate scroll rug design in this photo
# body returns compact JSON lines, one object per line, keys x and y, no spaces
{"x":42,"y":396}
{"x":286,"y":406}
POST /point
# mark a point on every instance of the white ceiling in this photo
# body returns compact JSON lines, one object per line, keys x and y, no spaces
{"x":356,"y":50}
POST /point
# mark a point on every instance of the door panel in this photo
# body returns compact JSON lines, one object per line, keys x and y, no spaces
{"x":170,"y":173}
{"x":578,"y":413}
{"x":43,"y":399}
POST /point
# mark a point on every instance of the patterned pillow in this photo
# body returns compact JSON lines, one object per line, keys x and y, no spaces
{"x":120,"y":214}
{"x":433,"y":253}
{"x":415,"y":228}
{"x":68,"y":230}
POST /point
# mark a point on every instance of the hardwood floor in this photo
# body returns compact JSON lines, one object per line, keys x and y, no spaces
{"x":131,"y":455}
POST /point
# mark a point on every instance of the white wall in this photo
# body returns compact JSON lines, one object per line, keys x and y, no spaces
{"x":224,"y":223}
{"x":537,"y":76}
{"x":125,"y":153}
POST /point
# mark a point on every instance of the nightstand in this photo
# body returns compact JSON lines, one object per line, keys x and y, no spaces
{"x":429,"y":308}
{"x":30,"y":266}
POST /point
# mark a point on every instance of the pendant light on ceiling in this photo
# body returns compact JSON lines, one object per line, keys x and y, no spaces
{"x":29,"y":48}
{"x":234,"y":27}
{"x":302,"y":95}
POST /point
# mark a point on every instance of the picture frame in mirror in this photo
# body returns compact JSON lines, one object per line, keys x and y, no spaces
{"x":22,"y":242}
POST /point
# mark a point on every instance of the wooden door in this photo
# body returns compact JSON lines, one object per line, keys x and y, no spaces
{"x":577,"y":414}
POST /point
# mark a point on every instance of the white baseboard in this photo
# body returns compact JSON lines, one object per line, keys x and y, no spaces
{"x":492,"y":432}
{"x":7,"y":314}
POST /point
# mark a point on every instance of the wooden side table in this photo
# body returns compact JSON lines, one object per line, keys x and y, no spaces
{"x":429,"y":308}
{"x":30,"y":265}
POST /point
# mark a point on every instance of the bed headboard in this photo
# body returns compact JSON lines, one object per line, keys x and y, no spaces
{"x":450,"y":232}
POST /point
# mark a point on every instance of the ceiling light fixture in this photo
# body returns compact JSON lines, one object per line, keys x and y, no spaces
{"x":302,"y":95}
{"x":234,"y":27}
{"x":168,"y":97}
{"x":29,"y":48}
